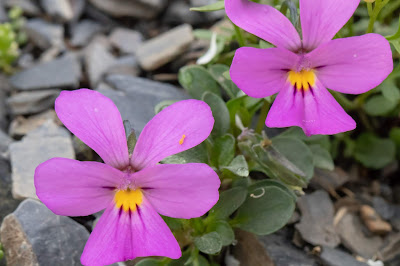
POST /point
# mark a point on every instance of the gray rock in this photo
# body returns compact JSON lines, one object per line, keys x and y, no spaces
{"x":3,"y":109}
{"x":210,"y":16}
{"x":32,"y":102}
{"x":164,"y":48}
{"x":83,"y":32}
{"x":354,"y":239}
{"x":60,"y":9}
{"x":33,"y":235}
{"x":272,"y":250}
{"x":21,"y":126}
{"x":329,"y":180}
{"x":8,"y":203}
{"x":40,"y":145}
{"x":126,"y":65}
{"x":44,"y":34}
{"x":123,"y":8}
{"x":178,"y":12}
{"x":127,"y":41}
{"x":136,"y":97}
{"x":383,"y":208}
{"x":3,"y":13}
{"x":5,"y":140}
{"x":28,"y":6}
{"x":98,"y":60}
{"x":336,"y":257}
{"x":78,"y":6}
{"x":63,"y":72}
{"x":316,"y":224}
{"x":390,"y":248}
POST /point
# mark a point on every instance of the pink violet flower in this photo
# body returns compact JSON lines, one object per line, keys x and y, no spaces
{"x":131,"y":189}
{"x":300,"y":70}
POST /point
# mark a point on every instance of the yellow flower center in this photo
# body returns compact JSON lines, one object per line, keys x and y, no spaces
{"x":302,"y":80}
{"x":128,"y":199}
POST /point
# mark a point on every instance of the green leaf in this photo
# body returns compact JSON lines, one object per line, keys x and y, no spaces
{"x":217,"y":71}
{"x":223,"y":151}
{"x":229,"y":201}
{"x":297,"y":132}
{"x":197,"y":154}
{"x":395,"y":136}
{"x":322,"y":158}
{"x":197,"y":80}
{"x":209,"y":243}
{"x":220,"y":113}
{"x":150,"y":262}
{"x":238,"y":166}
{"x":224,"y":230}
{"x":211,"y":7}
{"x":277,"y":166}
{"x":378,"y":105}
{"x":163,"y":104}
{"x":266,"y":209}
{"x":390,"y":91}
{"x":296,"y":152}
{"x":173,"y":223}
{"x":374,"y":152}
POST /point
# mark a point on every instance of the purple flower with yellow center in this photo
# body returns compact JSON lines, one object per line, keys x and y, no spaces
{"x":301,"y":70}
{"x":131,"y":189}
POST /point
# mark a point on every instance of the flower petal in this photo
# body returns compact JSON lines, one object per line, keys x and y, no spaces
{"x":263,"y":21}
{"x":353,"y":65}
{"x":322,"y":19}
{"x":73,"y":188}
{"x":315,"y":111}
{"x":121,"y":236}
{"x":95,"y":120}
{"x":178,"y":127}
{"x":179,"y":190}
{"x":261,"y":72}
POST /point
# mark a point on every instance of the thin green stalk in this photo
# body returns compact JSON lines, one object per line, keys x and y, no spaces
{"x":374,"y":12}
{"x":344,"y":101}
{"x":394,"y":36}
{"x":239,"y":35}
{"x":262,"y":117}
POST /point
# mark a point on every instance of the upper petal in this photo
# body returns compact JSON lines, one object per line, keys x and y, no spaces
{"x":261,"y":72}
{"x":315,"y":111}
{"x":178,"y":127}
{"x":95,"y":120}
{"x":180,"y":191}
{"x":120,"y":236}
{"x":263,"y":21}
{"x":73,"y":188}
{"x":322,"y":19}
{"x":353,"y":65}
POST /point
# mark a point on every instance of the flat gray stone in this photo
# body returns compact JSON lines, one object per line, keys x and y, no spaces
{"x":33,"y":235}
{"x":316,"y":224}
{"x":354,"y":239}
{"x":178,"y":12}
{"x":136,"y":97}
{"x":44,"y":34}
{"x":31,"y":102}
{"x":63,"y":72}
{"x":98,"y":59}
{"x":3,"y":13}
{"x":162,"y":49}
{"x":8,"y":203}
{"x":127,"y":41}
{"x":126,"y":65}
{"x":336,"y":257}
{"x":134,"y":8}
{"x":329,"y":180}
{"x":60,"y":10}
{"x":40,"y":145}
{"x":3,"y":109}
{"x":5,"y":140}
{"x":83,"y":32}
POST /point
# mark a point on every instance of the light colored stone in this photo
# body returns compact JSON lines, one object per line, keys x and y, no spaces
{"x":31,"y":102}
{"x":60,"y":9}
{"x":162,"y":49}
{"x":124,"y":8}
{"x":40,"y":145}
{"x":373,"y":221}
{"x":44,"y":34}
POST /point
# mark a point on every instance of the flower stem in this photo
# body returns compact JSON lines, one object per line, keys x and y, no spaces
{"x":239,"y":35}
{"x":374,"y":12}
{"x":262,"y":117}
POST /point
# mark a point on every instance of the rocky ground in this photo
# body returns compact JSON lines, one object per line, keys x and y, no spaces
{"x":131,"y":52}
